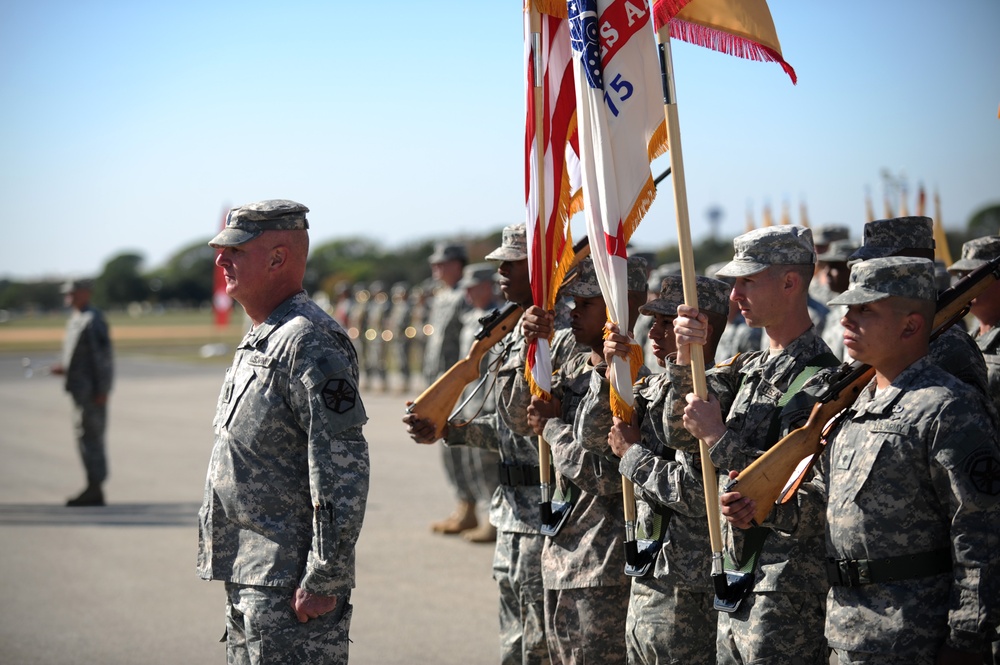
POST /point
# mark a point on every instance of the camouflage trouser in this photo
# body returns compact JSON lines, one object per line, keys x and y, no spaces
{"x":778,"y":628}
{"x":473,"y":474}
{"x":517,"y":569}
{"x":89,"y":422}
{"x":670,"y":625}
{"x":261,"y":629}
{"x":586,"y":625}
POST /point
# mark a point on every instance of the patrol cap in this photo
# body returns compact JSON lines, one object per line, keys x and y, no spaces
{"x":829,"y":233}
{"x":762,"y":248}
{"x":977,"y":253}
{"x":838,"y":251}
{"x":513,"y":246}
{"x":71,"y":285}
{"x":585,"y":284}
{"x":246,"y":222}
{"x":885,"y":237}
{"x":713,"y":296}
{"x":877,"y":279}
{"x":444,"y":251}
{"x":477,"y":273}
{"x":657,"y":276}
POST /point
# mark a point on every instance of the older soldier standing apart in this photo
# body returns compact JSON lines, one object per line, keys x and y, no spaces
{"x":288,"y":479}
{"x":910,"y":485}
{"x":88,"y":366}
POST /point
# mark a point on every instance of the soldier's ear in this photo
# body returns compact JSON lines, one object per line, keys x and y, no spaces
{"x":913,"y":324}
{"x":279,"y":255}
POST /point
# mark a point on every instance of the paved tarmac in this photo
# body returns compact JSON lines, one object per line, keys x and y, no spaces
{"x":117,"y":585}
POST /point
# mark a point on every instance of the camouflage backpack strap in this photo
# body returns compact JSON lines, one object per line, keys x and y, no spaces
{"x":753,"y":543}
{"x":822,"y":361}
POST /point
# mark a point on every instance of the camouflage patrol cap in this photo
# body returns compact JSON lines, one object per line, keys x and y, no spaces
{"x":829,"y":233}
{"x":657,"y":276}
{"x":977,"y":253}
{"x":877,"y":279}
{"x":839,"y":251}
{"x":444,"y":251}
{"x":246,"y":222}
{"x":713,"y":296}
{"x":762,"y":248}
{"x":885,"y":237}
{"x":513,"y":246}
{"x":585,"y":284}
{"x":477,"y":273}
{"x":72,"y":285}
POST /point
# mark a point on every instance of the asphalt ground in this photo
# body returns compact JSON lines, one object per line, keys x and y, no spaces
{"x":117,"y":585}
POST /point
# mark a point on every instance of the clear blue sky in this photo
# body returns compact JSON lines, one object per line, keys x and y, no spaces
{"x":128,"y":126}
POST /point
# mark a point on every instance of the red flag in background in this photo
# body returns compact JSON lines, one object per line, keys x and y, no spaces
{"x":222,"y":304}
{"x":743,"y":28}
{"x":551,"y":167}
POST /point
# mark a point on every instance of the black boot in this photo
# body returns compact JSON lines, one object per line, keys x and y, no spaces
{"x":92,"y":496}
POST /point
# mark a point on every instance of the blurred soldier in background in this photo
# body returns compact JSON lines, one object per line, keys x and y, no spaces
{"x":442,"y":351}
{"x":356,"y":318}
{"x":377,"y":315}
{"x":342,"y":304}
{"x":87,"y":364}
{"x":835,"y":274}
{"x":476,"y":472}
{"x":416,"y":328}
{"x":398,"y":356}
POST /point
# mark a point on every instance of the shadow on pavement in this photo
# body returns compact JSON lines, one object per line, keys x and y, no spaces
{"x":124,"y":514}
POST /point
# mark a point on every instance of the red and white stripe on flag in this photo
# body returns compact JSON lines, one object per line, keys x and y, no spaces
{"x":550,"y":185}
{"x":621,"y":125}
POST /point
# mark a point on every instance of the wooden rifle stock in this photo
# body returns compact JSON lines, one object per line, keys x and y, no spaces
{"x":438,"y":401}
{"x":765,"y":480}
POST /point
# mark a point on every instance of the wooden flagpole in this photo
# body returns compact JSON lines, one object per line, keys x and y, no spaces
{"x":690,"y":286}
{"x":544,"y":451}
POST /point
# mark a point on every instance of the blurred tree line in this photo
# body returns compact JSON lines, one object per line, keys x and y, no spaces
{"x":185,"y":280}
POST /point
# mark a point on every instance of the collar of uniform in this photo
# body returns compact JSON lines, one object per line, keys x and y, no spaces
{"x":781,"y":370}
{"x":990,"y":342}
{"x":884,"y":402}
{"x":274,"y":319}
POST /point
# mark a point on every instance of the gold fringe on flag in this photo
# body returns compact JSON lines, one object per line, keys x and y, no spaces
{"x":555,"y":8}
{"x":619,"y":407}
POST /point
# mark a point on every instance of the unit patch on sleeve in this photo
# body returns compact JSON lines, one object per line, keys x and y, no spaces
{"x":339,"y":395}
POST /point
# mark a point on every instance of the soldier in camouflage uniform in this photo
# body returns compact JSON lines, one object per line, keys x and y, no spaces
{"x":478,"y":473}
{"x":88,"y":366}
{"x":911,"y":488}
{"x":954,"y":350}
{"x":514,"y":512}
{"x":836,"y":274}
{"x":586,"y":590}
{"x":671,"y":618}
{"x":740,"y":421}
{"x":441,"y":352}
{"x":986,"y":309}
{"x":288,"y":479}
{"x":400,"y":345}
{"x":376,"y":321}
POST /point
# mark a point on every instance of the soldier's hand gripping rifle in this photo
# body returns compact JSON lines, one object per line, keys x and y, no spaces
{"x":775,"y":475}
{"x":437,"y":403}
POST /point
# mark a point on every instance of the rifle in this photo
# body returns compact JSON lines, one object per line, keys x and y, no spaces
{"x":438,"y":401}
{"x":775,"y":476}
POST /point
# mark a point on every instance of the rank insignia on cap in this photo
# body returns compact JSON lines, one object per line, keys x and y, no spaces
{"x":339,"y":395}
